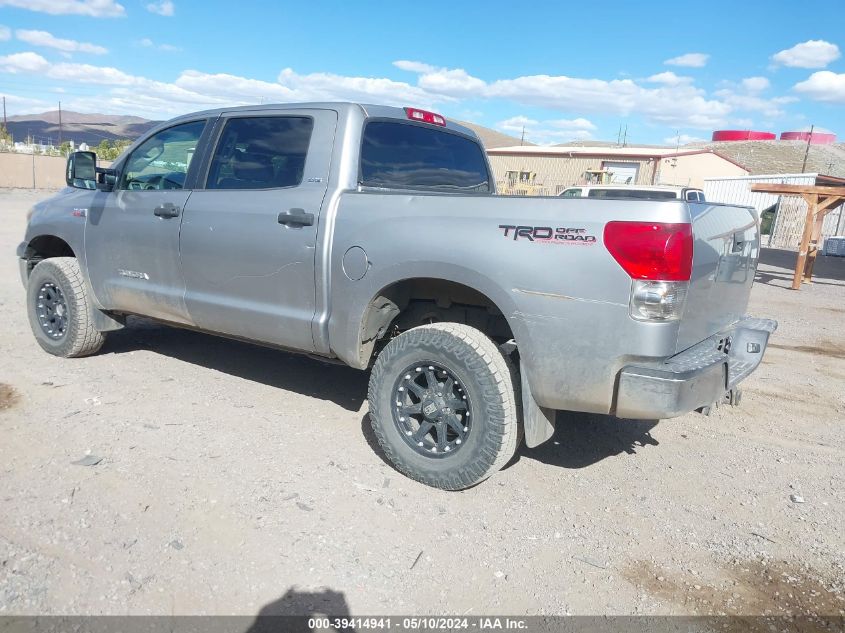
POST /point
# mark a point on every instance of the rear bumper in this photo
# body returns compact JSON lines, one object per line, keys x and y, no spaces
{"x":695,"y":378}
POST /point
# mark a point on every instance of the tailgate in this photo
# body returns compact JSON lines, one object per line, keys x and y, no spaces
{"x":725,"y":253}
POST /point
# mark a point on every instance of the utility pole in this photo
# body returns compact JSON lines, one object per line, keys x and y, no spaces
{"x":522,"y":138}
{"x":625,"y":136}
{"x":4,"y":113}
{"x":60,"y":123}
{"x":807,"y":151}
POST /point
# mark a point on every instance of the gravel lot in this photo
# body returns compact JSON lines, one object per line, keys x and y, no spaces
{"x":235,"y":479}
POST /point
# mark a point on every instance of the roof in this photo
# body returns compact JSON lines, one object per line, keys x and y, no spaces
{"x":808,"y":128}
{"x":638,"y":152}
{"x":820,"y":179}
{"x":370,"y":110}
{"x":588,"y":150}
{"x":636,"y":187}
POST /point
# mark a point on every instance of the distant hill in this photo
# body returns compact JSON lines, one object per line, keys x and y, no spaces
{"x":93,"y":128}
{"x":491,"y":138}
{"x":76,"y":126}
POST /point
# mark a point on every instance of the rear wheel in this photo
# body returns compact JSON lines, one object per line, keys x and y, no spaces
{"x":60,"y":314}
{"x":443,"y":405}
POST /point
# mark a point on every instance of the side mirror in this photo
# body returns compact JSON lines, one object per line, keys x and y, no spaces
{"x":82,"y":170}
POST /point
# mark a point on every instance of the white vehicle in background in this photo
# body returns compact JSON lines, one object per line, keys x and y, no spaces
{"x":640,"y":192}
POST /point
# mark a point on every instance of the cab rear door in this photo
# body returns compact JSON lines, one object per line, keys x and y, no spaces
{"x":249,"y":231}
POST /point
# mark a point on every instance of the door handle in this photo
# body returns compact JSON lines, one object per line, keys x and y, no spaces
{"x":296,"y":217}
{"x":167,"y":210}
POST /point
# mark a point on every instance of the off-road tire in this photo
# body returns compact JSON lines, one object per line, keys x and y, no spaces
{"x":80,"y":337}
{"x":490,"y":382}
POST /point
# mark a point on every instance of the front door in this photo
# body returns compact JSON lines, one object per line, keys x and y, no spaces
{"x":248,"y":238}
{"x":132,"y":232}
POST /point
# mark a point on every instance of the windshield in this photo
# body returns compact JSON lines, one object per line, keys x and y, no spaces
{"x":400,"y":155}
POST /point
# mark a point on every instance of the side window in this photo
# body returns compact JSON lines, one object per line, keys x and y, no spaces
{"x":162,"y":161}
{"x":571,"y":193}
{"x":261,"y":153}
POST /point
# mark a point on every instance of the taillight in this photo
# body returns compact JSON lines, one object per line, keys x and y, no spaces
{"x":424,"y":116}
{"x":658,"y":257}
{"x":651,"y":250}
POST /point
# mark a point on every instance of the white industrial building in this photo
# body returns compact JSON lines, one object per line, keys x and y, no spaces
{"x":790,"y":212}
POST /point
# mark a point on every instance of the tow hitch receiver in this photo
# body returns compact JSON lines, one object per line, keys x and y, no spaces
{"x":732,"y":397}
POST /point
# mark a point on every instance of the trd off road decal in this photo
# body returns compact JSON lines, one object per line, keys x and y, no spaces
{"x":548,"y":235}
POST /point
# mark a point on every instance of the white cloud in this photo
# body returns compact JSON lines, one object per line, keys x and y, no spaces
{"x":148,"y":43}
{"x":5,"y":33}
{"x":823,"y":85}
{"x":414,"y":67}
{"x":665,"y":98}
{"x":454,"y":82}
{"x":549,"y":131}
{"x":770,"y":108}
{"x":675,"y":105}
{"x":23,"y":63}
{"x":689,"y":60}
{"x":234,"y":88}
{"x":683,"y":139}
{"x":755,"y":84}
{"x":47,"y":40}
{"x":91,"y":8}
{"x":329,"y":86}
{"x":809,"y":54}
{"x":163,"y":7}
{"x":669,"y":78}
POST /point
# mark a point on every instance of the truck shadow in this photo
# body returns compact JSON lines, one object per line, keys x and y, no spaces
{"x":342,"y":385}
{"x":583,"y":439}
{"x":276,"y":616}
{"x":580,"y":440}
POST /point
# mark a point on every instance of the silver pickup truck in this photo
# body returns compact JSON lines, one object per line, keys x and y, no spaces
{"x":372,"y":236}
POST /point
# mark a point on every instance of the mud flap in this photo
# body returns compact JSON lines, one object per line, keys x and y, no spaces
{"x":538,"y":422}
{"x":103,"y":321}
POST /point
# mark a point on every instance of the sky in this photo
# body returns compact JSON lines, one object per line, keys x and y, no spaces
{"x":667,"y":72}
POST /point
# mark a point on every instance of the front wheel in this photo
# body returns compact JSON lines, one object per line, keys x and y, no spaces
{"x":443,"y":405}
{"x":60,"y":314}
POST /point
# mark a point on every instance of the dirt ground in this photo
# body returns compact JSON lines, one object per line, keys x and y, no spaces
{"x":232,"y":479}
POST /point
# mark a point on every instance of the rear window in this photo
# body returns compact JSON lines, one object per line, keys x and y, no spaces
{"x":407,"y":156}
{"x":641,"y":194}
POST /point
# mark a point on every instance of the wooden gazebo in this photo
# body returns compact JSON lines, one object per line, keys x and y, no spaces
{"x":821,"y":200}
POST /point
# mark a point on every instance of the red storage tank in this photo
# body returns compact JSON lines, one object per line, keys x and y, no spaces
{"x":743,"y":135}
{"x":819,"y":136}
